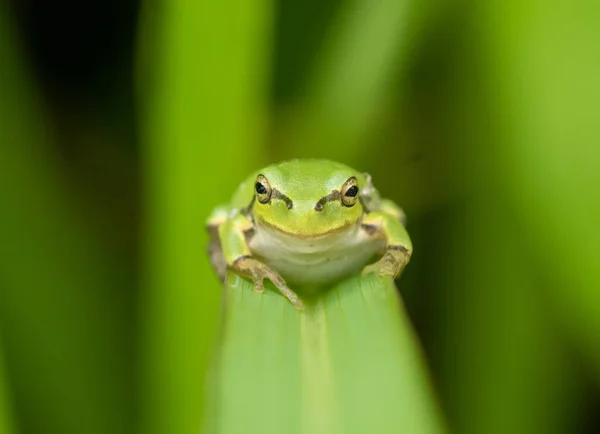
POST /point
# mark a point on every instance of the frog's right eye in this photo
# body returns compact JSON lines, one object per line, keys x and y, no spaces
{"x":263,"y":189}
{"x":349,"y":192}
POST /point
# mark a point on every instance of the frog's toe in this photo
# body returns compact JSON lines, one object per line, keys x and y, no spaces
{"x":258,"y":271}
{"x":296,"y":302}
{"x":259,"y":285}
{"x":383,"y":267}
{"x":370,"y":269}
{"x":279,"y":282}
{"x":377,"y":270}
{"x":387,"y":269}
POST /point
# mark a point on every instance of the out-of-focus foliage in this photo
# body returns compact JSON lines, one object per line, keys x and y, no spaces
{"x":203,"y":126}
{"x":6,"y":424}
{"x":61,"y":313}
{"x":479,"y":118}
{"x":546,"y":110}
{"x":361,"y":54}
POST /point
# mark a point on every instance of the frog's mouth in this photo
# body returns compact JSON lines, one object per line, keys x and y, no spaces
{"x":336,"y":230}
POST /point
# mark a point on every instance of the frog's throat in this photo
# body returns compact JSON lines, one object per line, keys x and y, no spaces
{"x":347,"y":225}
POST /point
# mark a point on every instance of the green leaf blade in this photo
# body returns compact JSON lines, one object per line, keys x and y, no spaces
{"x":348,"y":363}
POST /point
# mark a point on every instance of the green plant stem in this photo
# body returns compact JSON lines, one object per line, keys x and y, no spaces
{"x":203,"y":115}
{"x":349,"y":363}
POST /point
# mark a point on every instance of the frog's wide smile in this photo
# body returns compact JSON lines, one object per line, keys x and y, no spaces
{"x":312,"y":235}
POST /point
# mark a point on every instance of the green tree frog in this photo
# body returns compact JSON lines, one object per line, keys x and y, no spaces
{"x":307,"y":222}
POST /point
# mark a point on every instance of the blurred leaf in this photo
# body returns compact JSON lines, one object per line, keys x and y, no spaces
{"x":349,"y":363}
{"x":500,"y":361}
{"x":547,"y":100}
{"x":300,"y":28}
{"x":203,"y":127}
{"x":349,"y":88}
{"x":502,"y":368}
{"x":6,"y":419}
{"x":62,"y":330}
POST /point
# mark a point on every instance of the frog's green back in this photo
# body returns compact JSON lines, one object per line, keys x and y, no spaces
{"x":301,"y":179}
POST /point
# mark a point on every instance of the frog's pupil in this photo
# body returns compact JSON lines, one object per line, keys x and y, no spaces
{"x":352,"y":191}
{"x":260,"y":189}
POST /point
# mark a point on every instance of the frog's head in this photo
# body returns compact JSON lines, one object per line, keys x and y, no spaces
{"x":308,"y":198}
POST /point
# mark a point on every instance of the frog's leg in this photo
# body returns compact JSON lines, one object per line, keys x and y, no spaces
{"x":389,"y":207}
{"x":374,"y":202}
{"x":387,"y":224}
{"x":232,"y":234}
{"x":215,"y":252}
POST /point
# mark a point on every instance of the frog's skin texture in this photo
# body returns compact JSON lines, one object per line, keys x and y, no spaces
{"x":307,"y":222}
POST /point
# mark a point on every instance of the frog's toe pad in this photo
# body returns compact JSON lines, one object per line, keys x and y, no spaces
{"x":380,"y":268}
{"x":259,"y":285}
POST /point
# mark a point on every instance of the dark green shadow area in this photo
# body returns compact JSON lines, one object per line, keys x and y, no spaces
{"x":66,"y":344}
{"x":5,"y":414}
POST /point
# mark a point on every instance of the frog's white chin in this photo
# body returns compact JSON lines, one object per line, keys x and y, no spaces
{"x":314,"y":260}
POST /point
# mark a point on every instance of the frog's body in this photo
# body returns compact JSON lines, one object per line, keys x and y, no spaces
{"x":307,"y":222}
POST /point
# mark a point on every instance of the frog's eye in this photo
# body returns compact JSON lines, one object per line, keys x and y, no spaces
{"x":263,"y":189}
{"x":350,"y":192}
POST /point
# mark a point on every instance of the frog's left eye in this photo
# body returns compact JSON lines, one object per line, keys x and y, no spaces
{"x":350,"y":192}
{"x":263,"y":189}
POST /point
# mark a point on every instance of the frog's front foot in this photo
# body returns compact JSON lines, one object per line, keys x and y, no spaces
{"x":258,"y":271}
{"x":391,"y":263}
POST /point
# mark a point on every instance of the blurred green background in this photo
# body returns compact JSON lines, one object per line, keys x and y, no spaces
{"x":122,"y":123}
